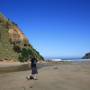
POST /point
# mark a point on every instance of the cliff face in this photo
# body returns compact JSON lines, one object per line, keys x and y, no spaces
{"x":13,"y":42}
{"x":16,"y":36}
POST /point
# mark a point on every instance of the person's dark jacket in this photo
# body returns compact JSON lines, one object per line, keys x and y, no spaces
{"x":33,"y":62}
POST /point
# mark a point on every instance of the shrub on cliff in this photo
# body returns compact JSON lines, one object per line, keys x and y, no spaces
{"x":25,"y":55}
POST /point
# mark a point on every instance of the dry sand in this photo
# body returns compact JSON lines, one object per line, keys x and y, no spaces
{"x":71,"y":76}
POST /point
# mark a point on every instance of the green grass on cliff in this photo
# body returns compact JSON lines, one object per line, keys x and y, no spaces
{"x":6,"y":49}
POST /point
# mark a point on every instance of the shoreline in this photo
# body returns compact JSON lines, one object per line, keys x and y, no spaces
{"x":7,"y":67}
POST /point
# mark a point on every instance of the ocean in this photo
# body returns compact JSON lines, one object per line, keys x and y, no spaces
{"x":67,"y":59}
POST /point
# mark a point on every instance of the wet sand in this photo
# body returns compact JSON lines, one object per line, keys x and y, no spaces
{"x":6,"y":67}
{"x":64,"y":76}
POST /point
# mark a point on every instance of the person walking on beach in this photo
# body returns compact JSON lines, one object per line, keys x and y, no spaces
{"x":34,"y":71}
{"x":34,"y":68}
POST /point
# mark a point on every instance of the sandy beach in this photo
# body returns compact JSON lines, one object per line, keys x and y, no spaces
{"x":64,"y":76}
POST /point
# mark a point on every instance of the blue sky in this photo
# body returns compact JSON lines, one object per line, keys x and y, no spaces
{"x":56,"y":28}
